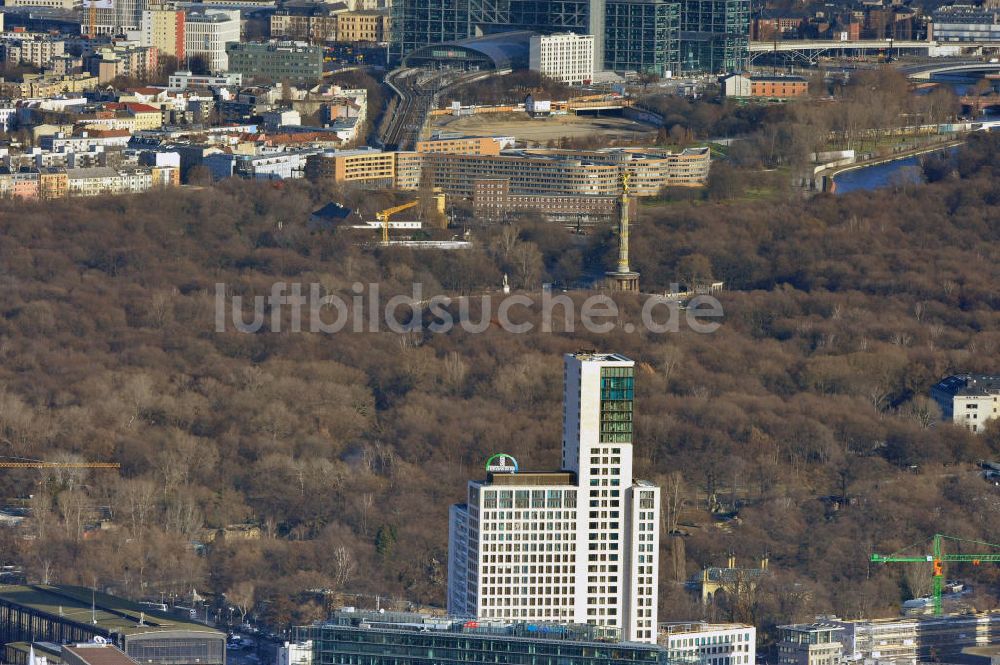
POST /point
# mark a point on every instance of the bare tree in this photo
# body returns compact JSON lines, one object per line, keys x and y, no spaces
{"x":241,"y":596}
{"x":344,"y":566}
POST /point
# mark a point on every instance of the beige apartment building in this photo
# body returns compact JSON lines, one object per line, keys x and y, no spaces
{"x":163,"y":28}
{"x":38,"y":85}
{"x":314,"y":24}
{"x":591,"y":173}
{"x":409,"y":170}
{"x":463,"y":145}
{"x":367,"y":166}
{"x":363,"y":26}
{"x":37,"y":51}
{"x":572,"y":187}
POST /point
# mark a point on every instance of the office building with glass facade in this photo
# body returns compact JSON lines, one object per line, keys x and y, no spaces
{"x":645,"y":36}
{"x":642,"y":36}
{"x":397,"y":638}
{"x":579,"y":545}
{"x":715,"y":36}
{"x":629,"y":35}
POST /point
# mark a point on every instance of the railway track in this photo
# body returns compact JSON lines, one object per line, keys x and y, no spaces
{"x":418,"y":91}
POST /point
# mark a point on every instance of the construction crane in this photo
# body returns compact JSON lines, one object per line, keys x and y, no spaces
{"x":937,"y":559}
{"x":92,"y":20}
{"x":384,"y":215}
{"x":24,"y":463}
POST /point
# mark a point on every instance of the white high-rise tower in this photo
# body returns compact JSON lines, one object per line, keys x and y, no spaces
{"x":579,"y":545}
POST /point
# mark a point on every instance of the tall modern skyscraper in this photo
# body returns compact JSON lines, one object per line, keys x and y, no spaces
{"x":638,"y":34}
{"x":715,"y":35}
{"x":646,"y":36}
{"x":579,"y":545}
{"x":642,"y":36}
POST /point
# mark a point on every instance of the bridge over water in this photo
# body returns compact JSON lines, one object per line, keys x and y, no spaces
{"x":810,"y":50}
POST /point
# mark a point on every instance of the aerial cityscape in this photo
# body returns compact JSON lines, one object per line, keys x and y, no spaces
{"x":511,"y":332}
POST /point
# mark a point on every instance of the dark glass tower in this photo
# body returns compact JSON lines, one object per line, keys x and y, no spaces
{"x":642,"y":36}
{"x":715,"y":36}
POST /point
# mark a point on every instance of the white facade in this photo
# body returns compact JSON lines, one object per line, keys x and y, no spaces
{"x":575,"y":546}
{"x":98,"y":180}
{"x":206,"y":33}
{"x":185,"y":80}
{"x":7,"y":117}
{"x":62,"y":143}
{"x":295,"y":653}
{"x":736,"y":85}
{"x":566,"y":57}
{"x":879,"y":642}
{"x":710,"y":644}
{"x":969,"y":400}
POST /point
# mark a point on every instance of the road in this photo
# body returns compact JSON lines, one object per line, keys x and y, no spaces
{"x":255,"y":650}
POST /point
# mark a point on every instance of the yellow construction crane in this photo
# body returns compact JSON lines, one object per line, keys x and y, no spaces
{"x":384,"y":215}
{"x":23,"y":463}
{"x":92,"y":22}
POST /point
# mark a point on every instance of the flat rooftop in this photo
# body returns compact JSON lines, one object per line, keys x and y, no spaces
{"x":594,"y":356}
{"x":532,"y":478}
{"x":424,"y":623}
{"x":73,"y":604}
{"x":682,"y":627}
{"x":970,"y":385}
{"x":99,"y":654}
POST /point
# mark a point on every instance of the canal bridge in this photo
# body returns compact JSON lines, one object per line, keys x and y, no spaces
{"x":924,"y":71}
{"x":810,"y":50}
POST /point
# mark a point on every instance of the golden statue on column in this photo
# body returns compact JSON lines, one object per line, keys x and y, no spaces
{"x":623,"y":278}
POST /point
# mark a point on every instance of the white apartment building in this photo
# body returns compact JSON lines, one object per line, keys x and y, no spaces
{"x":970,"y":400}
{"x":118,"y":16}
{"x":8,"y":116}
{"x":566,"y":57}
{"x":60,"y":142}
{"x":703,"y":643}
{"x":579,"y":545}
{"x":185,"y":80}
{"x":296,"y":653}
{"x":99,"y":180}
{"x":206,"y":33}
{"x":879,"y":641}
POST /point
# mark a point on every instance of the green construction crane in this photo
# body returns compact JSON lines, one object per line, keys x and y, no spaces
{"x":937,"y":557}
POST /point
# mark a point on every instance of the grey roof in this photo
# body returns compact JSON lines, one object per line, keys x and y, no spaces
{"x":971,"y":385}
{"x":791,"y":79}
{"x":507,"y":50}
{"x":332,"y":211}
{"x":92,"y":172}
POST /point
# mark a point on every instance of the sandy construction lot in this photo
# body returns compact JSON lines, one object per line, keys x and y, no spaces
{"x":542,"y":130}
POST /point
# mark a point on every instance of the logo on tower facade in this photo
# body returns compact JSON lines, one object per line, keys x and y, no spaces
{"x":501,"y":463}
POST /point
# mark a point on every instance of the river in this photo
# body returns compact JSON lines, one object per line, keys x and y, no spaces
{"x":907,"y":169}
{"x":880,"y":175}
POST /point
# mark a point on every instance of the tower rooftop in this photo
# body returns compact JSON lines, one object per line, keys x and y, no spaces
{"x":594,"y":356}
